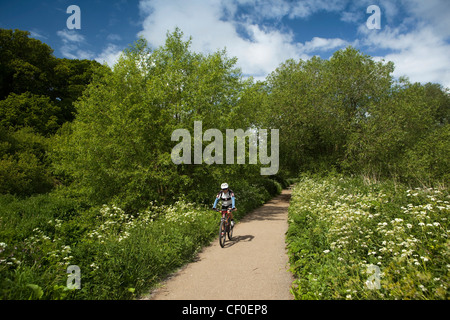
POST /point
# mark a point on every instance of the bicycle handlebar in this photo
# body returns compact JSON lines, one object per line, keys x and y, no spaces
{"x":220,"y":210}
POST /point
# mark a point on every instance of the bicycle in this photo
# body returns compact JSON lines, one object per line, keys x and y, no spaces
{"x":225,"y":227}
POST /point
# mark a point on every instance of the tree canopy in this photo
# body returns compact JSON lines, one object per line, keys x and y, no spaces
{"x":37,"y":91}
{"x":349,"y":113}
{"x":107,"y":131}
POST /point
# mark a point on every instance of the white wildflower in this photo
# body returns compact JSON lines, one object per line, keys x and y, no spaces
{"x":422,"y":287}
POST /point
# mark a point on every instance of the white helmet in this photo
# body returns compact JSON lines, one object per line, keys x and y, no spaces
{"x":224,"y":186}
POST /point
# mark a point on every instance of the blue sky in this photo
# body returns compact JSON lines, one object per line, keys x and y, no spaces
{"x":414,"y":34}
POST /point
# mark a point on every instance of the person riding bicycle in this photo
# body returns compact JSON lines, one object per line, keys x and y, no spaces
{"x":227,"y":197}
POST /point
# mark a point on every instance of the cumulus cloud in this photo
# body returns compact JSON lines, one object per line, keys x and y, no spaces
{"x":418,"y":45}
{"x":434,"y":13}
{"x":110,"y":55}
{"x":216,"y":24}
{"x":322,"y":44}
{"x":414,"y":34}
{"x":67,"y":36}
{"x":73,"y":44}
{"x":421,"y":55}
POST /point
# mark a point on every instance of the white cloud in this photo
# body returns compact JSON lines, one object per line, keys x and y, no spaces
{"x":73,"y":42}
{"x":420,"y":54}
{"x":37,"y":34}
{"x":70,"y":36}
{"x":434,"y":13}
{"x":416,"y":43}
{"x":322,"y":44}
{"x":259,"y":49}
{"x":418,"y":46}
{"x":113,"y":37}
{"x":110,"y":55}
{"x":303,"y":9}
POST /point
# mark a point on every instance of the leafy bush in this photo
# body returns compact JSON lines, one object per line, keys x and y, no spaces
{"x":428,"y":161}
{"x":23,"y":164}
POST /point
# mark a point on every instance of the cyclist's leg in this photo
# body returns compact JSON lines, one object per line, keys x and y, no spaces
{"x":230,"y":214}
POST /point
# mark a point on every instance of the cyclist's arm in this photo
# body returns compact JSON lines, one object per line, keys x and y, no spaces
{"x":215,"y":202}
{"x":232,"y":202}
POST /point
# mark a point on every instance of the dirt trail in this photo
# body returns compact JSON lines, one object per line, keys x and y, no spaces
{"x":254,"y":265}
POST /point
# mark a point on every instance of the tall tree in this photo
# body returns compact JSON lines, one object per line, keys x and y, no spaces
{"x":119,"y":146}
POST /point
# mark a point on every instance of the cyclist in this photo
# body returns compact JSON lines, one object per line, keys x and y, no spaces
{"x":227,"y":197}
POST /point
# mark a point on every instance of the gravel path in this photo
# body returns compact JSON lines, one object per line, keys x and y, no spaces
{"x":253,"y":266}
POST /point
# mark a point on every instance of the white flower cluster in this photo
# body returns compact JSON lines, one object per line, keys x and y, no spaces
{"x":56,"y":253}
{"x":116,"y":224}
{"x":370,"y":225}
{"x":181,"y":212}
{"x":9,"y":260}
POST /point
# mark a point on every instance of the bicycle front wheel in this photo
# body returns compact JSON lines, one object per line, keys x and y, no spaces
{"x":222,"y":233}
{"x":230,"y":231}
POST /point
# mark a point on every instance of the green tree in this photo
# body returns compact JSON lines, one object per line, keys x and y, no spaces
{"x":119,"y":146}
{"x":69,"y":79}
{"x":318,"y":104}
{"x":37,"y":92}
{"x":349,"y":113}
{"x":23,"y":162}
{"x":392,"y":126}
{"x":26,"y":64}
{"x":30,"y":110}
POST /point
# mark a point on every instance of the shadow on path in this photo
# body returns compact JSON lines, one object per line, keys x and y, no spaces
{"x":239,"y":238}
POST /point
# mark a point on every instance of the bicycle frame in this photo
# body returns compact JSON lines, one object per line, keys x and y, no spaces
{"x":226,"y":215}
{"x":225,"y":226}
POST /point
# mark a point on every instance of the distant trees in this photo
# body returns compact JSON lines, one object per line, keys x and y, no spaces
{"x":349,"y":113}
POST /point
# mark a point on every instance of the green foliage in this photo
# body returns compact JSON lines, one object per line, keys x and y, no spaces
{"x":70,"y":79}
{"x":28,"y":66}
{"x":124,"y":213}
{"x":28,"y":110}
{"x":25,"y":64}
{"x":328,"y":98}
{"x":36,"y":95}
{"x":114,"y":249}
{"x":428,"y":160}
{"x":119,"y":145}
{"x":128,"y":216}
{"x":23,"y":164}
{"x":339,"y":226}
{"x":351,"y":115}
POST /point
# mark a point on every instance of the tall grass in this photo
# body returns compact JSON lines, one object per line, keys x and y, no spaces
{"x":345,"y":235}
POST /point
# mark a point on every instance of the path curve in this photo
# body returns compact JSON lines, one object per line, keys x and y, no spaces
{"x":253,"y":266}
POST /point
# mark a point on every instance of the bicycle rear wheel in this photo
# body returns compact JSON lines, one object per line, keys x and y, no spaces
{"x":222,"y":233}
